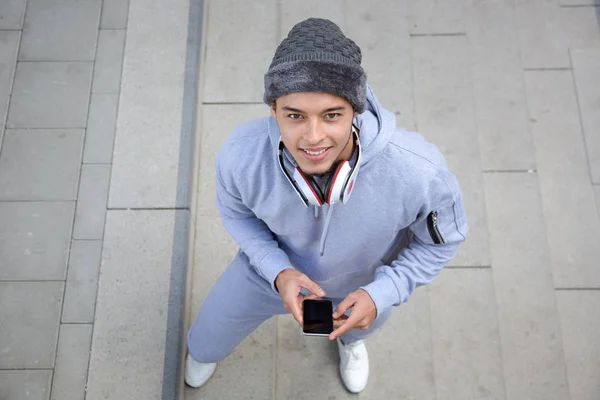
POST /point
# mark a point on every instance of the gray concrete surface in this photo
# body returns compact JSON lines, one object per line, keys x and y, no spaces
{"x":91,"y":136}
{"x":133,"y":298}
{"x":55,"y":164}
{"x":145,"y":158}
{"x":508,"y":90}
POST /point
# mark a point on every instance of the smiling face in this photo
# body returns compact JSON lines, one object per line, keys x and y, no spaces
{"x":316,"y":128}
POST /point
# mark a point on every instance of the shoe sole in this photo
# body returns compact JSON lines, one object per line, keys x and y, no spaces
{"x":358,"y":390}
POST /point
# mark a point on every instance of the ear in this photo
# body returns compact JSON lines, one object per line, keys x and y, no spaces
{"x":274,"y":110}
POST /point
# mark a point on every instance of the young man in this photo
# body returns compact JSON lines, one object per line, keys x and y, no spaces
{"x":283,"y":192}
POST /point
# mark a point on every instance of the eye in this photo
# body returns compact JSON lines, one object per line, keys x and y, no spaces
{"x":294,"y":116}
{"x":332,"y":116}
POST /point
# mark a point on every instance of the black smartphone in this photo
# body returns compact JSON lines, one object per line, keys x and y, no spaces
{"x":317,"y":317}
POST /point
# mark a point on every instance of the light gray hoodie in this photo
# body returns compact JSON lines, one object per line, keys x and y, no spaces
{"x":401,"y":225}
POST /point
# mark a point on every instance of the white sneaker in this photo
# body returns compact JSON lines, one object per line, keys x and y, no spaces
{"x":197,"y":374}
{"x":354,"y":365}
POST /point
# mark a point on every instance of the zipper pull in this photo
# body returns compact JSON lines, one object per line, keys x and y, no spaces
{"x":434,"y":232}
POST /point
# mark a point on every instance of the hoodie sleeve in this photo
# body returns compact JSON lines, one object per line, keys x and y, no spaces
{"x":252,"y":235}
{"x":436,"y":234}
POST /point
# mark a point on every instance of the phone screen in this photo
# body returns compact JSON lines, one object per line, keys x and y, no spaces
{"x":318,"y":319}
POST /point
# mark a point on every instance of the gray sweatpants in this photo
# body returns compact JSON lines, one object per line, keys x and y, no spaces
{"x":237,"y":304}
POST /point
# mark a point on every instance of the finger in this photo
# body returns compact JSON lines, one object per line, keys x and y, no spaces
{"x":301,"y":299}
{"x":340,"y":321}
{"x":311,"y":297}
{"x":295,"y":309}
{"x":345,"y":304}
{"x":350,"y":323}
{"x":312,"y":287}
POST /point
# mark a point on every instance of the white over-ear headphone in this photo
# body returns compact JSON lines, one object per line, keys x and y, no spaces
{"x":339,"y":185}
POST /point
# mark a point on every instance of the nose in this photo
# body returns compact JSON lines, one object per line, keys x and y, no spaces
{"x":314,"y":133}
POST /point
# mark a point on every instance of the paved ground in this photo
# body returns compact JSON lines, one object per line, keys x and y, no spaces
{"x":510,"y":91}
{"x":60,"y":77}
{"x":97,"y":115}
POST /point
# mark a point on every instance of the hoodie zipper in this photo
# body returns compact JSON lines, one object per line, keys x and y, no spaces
{"x":433,"y":228}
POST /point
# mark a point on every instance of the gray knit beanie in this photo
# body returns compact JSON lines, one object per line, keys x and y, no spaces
{"x":317,"y":57}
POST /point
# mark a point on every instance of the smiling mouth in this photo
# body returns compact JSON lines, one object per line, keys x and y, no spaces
{"x":315,"y":153}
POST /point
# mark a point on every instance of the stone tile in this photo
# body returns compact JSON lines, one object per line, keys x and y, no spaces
{"x":145,"y":163}
{"x":62,"y":30}
{"x":586,"y":64}
{"x":100,"y":133}
{"x":128,"y":343}
{"x":248,"y":373}
{"x":405,"y":336}
{"x":597,"y":195}
{"x":12,"y":13}
{"x":215,"y":244}
{"x":41,"y":164}
{"x":475,"y":251}
{"x":367,"y":24}
{"x":9,"y":46}
{"x":580,"y":25}
{"x":29,"y":320}
{"x":82,"y":281}
{"x":114,"y":14}
{"x":219,"y":121}
{"x":25,"y":385}
{"x":212,"y":241}
{"x":534,"y":365}
{"x":237,"y":76}
{"x":293,"y":12}
{"x":50,"y":95}
{"x":34,"y":240}
{"x":579,"y":2}
{"x":499,"y":87}
{"x":580,"y":324}
{"x":445,"y":116}
{"x":91,"y":202}
{"x":464,"y":330}
{"x":306,"y":366}
{"x":436,"y":16}
{"x":567,"y":196}
{"x":3,"y":109}
{"x":109,"y":60}
{"x":72,"y":357}
{"x":541,"y":39}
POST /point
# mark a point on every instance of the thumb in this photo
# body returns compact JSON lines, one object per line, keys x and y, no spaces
{"x":343,"y":307}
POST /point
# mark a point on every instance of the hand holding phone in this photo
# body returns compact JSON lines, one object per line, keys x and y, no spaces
{"x":364,"y":311}
{"x":317,"y":317}
{"x":289,"y":283}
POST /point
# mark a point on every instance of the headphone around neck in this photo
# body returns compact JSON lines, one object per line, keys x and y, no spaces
{"x":339,"y":184}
